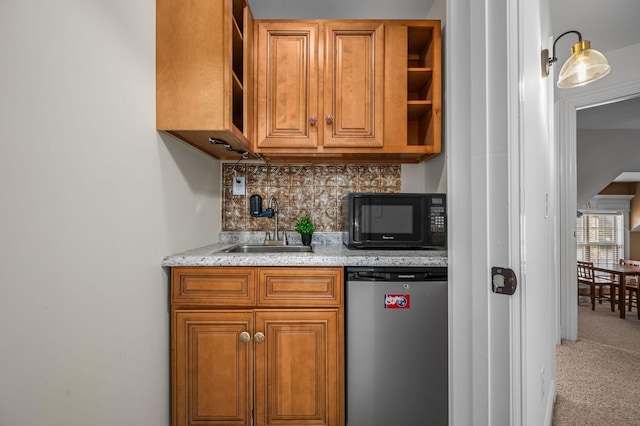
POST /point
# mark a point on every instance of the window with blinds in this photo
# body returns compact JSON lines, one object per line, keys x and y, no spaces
{"x":600,"y":238}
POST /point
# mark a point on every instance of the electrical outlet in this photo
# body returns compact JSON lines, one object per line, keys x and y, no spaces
{"x":238,"y":185}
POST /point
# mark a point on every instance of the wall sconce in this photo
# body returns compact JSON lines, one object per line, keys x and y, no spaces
{"x":583,"y":66}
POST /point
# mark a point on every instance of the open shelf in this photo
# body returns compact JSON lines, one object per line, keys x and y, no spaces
{"x":238,"y":62}
{"x":238,"y":13}
{"x":416,"y":110}
{"x":238,"y":103}
{"x":419,"y":83}
{"x":420,"y":86}
{"x":420,"y":47}
{"x":238,"y":51}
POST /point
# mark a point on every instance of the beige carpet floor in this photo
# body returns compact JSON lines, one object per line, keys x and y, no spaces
{"x":598,"y":377}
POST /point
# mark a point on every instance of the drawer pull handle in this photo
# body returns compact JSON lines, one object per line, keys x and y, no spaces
{"x":259,"y":337}
{"x":329,"y":119}
{"x":245,"y":337}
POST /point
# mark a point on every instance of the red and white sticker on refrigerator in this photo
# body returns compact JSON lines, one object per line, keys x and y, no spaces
{"x":397,"y":301}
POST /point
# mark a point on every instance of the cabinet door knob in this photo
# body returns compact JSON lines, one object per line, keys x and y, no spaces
{"x":259,"y":337}
{"x":329,"y":119}
{"x":313,"y":120}
{"x":245,"y":337}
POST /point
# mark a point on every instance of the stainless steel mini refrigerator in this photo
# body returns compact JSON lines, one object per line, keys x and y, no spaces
{"x":396,"y":346}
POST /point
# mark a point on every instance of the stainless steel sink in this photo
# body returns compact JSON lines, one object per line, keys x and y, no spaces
{"x":247,"y":248}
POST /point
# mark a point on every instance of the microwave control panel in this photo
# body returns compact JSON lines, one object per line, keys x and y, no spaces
{"x":437,"y":215}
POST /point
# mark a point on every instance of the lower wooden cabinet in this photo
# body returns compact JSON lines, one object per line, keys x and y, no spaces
{"x":263,"y":366}
{"x":296,"y":368}
{"x":212,"y":368}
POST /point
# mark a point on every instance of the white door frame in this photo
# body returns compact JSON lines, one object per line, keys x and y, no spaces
{"x":567,"y":163}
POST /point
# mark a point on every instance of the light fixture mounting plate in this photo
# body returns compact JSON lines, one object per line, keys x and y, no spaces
{"x":544,"y":62}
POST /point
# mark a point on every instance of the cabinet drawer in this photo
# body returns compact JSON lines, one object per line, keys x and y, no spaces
{"x":213,"y":286}
{"x":300,"y":286}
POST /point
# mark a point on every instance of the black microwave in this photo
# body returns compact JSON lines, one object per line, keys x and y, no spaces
{"x":394,"y":220}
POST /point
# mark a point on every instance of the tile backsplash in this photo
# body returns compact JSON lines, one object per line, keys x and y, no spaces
{"x":315,"y":189}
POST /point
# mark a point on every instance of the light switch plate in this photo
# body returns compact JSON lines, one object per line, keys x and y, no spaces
{"x":238,"y":185}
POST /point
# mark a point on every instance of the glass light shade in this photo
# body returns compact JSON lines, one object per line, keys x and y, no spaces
{"x":583,"y":66}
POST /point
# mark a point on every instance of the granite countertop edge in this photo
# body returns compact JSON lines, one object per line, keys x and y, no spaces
{"x":322,"y":255}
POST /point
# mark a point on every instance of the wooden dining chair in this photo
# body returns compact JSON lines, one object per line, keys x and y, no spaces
{"x":597,"y":284}
{"x":632,"y":285}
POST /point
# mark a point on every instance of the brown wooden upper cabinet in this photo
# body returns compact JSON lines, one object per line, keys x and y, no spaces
{"x":297,"y":90}
{"x":309,"y":100}
{"x":354,"y":90}
{"x":204,"y":74}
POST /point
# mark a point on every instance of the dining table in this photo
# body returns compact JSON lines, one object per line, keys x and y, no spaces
{"x":621,"y":271}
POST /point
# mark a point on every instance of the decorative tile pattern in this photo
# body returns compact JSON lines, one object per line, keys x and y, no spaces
{"x":314,"y":189}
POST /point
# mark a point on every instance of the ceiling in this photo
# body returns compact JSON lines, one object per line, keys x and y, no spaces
{"x":340,"y":9}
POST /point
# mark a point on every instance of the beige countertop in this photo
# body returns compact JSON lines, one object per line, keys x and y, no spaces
{"x":333,"y":254}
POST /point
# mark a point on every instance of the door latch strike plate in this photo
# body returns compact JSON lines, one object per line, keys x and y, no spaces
{"x":503,"y":280}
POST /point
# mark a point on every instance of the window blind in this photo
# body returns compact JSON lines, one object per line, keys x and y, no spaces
{"x":600,"y":238}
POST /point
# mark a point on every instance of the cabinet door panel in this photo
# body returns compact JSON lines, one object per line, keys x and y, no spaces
{"x":287,"y":84}
{"x":296,"y":368}
{"x":211,"y":368}
{"x":354,"y":84}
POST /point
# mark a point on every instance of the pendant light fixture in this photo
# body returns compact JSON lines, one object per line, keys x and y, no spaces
{"x":583,"y":66}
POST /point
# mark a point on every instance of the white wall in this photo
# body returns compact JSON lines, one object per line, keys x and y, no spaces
{"x":618,"y":148}
{"x":92,"y":199}
{"x":500,"y":175}
{"x":538,"y":189}
{"x":601,"y":156}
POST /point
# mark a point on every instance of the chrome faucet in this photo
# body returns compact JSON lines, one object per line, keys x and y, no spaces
{"x":276,"y":241}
